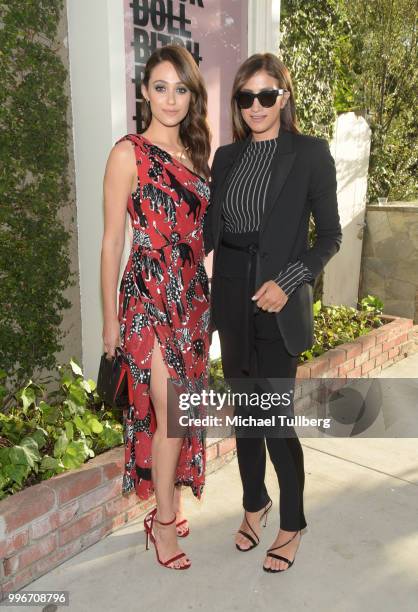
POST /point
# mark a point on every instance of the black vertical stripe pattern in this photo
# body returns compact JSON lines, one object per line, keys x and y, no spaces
{"x":245,"y":196}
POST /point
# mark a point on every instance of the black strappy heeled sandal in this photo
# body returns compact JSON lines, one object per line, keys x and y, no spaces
{"x":271,"y":554}
{"x":248,"y":536}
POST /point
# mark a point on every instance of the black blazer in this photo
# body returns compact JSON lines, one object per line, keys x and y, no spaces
{"x":303,"y":180}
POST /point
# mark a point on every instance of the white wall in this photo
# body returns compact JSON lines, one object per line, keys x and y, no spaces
{"x":98,"y":90}
{"x":350,"y":148}
{"x":263,"y":26}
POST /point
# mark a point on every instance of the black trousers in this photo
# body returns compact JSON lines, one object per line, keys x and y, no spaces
{"x":269,"y":359}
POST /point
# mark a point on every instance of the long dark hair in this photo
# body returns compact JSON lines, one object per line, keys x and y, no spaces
{"x":271,"y":64}
{"x":194,"y":129}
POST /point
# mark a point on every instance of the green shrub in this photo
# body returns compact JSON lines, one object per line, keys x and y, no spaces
{"x":41,"y":437}
{"x":334,"y":325}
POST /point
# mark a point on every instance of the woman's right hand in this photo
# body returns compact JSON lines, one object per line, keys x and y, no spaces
{"x":111,"y":336}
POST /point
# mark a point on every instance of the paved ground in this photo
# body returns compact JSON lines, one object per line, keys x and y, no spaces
{"x":359,"y":550}
{"x":405,"y":368}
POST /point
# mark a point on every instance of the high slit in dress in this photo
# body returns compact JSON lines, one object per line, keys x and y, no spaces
{"x":164,"y":294}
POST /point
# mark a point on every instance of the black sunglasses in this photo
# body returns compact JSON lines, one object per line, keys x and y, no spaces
{"x":267,"y":97}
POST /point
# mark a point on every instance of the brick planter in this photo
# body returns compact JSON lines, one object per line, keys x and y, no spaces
{"x":50,"y":522}
{"x":46,"y":524}
{"x":367,"y":355}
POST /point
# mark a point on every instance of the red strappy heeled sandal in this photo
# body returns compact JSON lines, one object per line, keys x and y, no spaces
{"x":274,"y":556}
{"x":148,"y":524}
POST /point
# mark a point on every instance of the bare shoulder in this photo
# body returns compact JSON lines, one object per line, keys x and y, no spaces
{"x":123,"y":149}
{"x":122,"y":156}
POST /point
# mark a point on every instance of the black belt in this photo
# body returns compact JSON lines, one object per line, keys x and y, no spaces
{"x":251,"y":249}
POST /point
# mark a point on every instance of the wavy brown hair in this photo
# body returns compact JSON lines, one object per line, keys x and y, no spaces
{"x":271,"y":64}
{"x":194,"y":129}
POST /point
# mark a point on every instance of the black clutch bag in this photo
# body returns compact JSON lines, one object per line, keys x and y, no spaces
{"x":112,"y":380}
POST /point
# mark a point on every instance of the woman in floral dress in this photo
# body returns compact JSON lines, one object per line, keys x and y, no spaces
{"x":162,"y":323}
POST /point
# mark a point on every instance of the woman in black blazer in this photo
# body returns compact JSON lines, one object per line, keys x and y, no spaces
{"x":264,"y":187}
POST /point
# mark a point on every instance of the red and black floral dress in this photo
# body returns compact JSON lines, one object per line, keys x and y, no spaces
{"x":164,"y":292}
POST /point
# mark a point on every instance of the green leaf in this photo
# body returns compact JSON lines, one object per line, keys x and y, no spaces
{"x":28,"y":397}
{"x":75,"y":454}
{"x":26,"y":453}
{"x":40,"y":436}
{"x":60,"y":445}
{"x":50,"y":413}
{"x":48,"y":463}
{"x":86,"y":386}
{"x":76,"y":368}
{"x":317,"y":308}
{"x":92,"y":384}
{"x":4,"y":481}
{"x":17,"y":472}
{"x":95,"y":426}
{"x":78,"y":421}
{"x":77,"y":394}
{"x":69,"y":429}
{"x":66,"y":379}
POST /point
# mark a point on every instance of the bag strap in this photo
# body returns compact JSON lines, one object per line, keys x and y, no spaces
{"x":126,"y":371}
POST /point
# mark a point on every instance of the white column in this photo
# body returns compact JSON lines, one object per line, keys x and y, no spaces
{"x":98,"y":96}
{"x":263,"y":26}
{"x":350,"y":148}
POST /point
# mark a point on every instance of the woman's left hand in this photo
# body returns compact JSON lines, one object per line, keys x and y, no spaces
{"x":270,"y":297}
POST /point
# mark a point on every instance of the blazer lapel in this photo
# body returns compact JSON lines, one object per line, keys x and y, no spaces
{"x":281,"y":165}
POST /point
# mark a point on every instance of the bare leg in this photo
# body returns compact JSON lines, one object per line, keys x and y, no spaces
{"x":178,"y":509}
{"x":165,"y":454}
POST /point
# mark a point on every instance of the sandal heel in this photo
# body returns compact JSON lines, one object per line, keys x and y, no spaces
{"x":265,"y":520}
{"x":148,"y":526}
{"x":254,"y":542}
{"x":266,"y":513}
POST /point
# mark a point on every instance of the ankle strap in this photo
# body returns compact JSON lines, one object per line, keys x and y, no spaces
{"x":169,"y":522}
{"x":281,"y":545}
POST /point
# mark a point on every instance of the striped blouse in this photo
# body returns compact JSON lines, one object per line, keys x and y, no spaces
{"x":245,"y":200}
